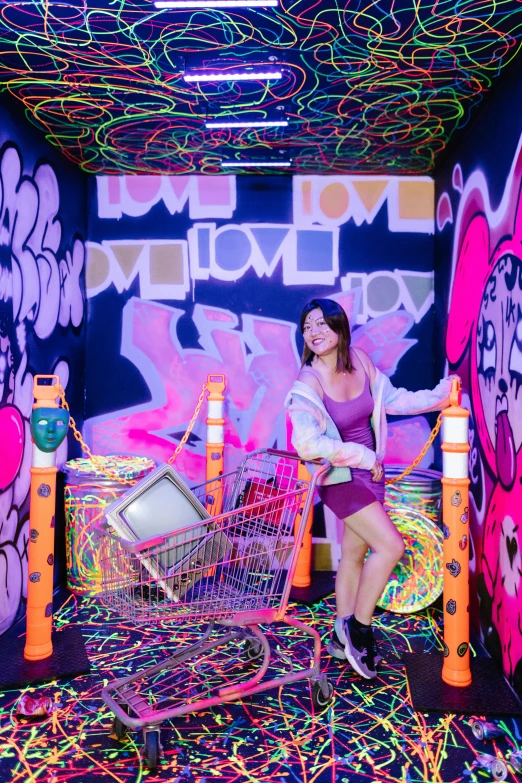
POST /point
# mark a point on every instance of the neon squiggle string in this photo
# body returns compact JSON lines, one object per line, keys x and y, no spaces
{"x":367,"y":86}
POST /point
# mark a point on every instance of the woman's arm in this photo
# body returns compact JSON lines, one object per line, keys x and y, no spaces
{"x":311,"y":443}
{"x":400,"y":401}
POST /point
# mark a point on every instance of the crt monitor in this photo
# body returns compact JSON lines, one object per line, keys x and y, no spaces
{"x":159,"y":504}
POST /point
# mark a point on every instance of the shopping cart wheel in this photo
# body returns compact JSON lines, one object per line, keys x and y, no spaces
{"x":152,"y":749}
{"x":477,"y":727}
{"x":499,"y":771}
{"x":322,"y":693}
{"x":119,"y":729}
{"x":253,"y":649}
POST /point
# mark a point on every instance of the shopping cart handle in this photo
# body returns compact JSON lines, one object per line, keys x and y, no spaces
{"x":279,"y":453}
{"x":295,"y":455}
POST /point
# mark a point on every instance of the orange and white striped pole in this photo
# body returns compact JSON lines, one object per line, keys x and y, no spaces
{"x":48,"y":427}
{"x":455,"y":517}
{"x":215,"y":437}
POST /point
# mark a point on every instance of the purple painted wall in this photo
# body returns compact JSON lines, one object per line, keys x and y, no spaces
{"x":42,"y":323}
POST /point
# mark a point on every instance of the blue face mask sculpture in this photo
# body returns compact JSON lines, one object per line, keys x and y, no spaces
{"x":49,"y":427}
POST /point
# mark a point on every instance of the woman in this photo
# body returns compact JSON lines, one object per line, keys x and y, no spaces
{"x":338,"y":408}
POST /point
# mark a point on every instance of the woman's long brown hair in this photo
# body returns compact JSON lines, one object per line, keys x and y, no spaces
{"x":337,"y":320}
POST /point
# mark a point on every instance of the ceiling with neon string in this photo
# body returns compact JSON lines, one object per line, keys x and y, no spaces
{"x":365,"y":86}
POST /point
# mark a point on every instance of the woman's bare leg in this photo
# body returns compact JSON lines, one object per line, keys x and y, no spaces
{"x":373,"y":525}
{"x":353,"y":552}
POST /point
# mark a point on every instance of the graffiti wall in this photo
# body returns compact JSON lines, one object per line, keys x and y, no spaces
{"x":193,"y":275}
{"x":42,"y":208}
{"x":479,"y":248}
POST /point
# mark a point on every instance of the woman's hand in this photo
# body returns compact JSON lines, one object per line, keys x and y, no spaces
{"x":377,"y":471}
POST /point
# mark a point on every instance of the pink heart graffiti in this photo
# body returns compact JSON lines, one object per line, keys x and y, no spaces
{"x":11,"y":444}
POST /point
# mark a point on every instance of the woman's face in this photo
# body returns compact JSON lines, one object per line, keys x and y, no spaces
{"x":317,"y":334}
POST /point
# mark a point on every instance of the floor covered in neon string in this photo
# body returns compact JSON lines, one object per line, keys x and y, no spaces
{"x":369,"y":734}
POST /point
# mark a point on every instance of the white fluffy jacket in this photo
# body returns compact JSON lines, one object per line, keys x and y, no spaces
{"x":314,"y":434}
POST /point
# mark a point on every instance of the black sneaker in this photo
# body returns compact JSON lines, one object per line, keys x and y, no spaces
{"x":360,"y":650}
{"x":337,"y":644}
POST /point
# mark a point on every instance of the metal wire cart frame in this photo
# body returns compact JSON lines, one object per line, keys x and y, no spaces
{"x":233,"y":570}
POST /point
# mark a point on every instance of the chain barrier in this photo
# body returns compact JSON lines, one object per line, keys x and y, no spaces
{"x":416,"y":462}
{"x":101,"y":462}
{"x":186,"y":436}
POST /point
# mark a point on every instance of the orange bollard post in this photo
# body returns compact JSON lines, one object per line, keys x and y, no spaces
{"x":302,"y":576}
{"x":215,"y":440}
{"x":455,"y":499}
{"x":48,"y":427}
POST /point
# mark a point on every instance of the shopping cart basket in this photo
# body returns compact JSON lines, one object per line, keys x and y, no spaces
{"x":234,"y":571}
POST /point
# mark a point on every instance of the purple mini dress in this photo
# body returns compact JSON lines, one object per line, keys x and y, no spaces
{"x":352,"y":419}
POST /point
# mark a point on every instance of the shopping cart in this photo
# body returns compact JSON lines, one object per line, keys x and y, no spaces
{"x":233,"y":570}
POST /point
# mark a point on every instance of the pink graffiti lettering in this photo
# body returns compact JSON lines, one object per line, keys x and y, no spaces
{"x":257,"y":382}
{"x":260,"y":363}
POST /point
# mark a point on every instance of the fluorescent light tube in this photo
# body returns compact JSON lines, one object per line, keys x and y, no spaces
{"x":246,"y":123}
{"x":216,"y":4}
{"x":246,"y":164}
{"x":232,"y":76}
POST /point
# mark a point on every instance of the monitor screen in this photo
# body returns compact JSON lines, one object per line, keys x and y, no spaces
{"x":161,"y":508}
